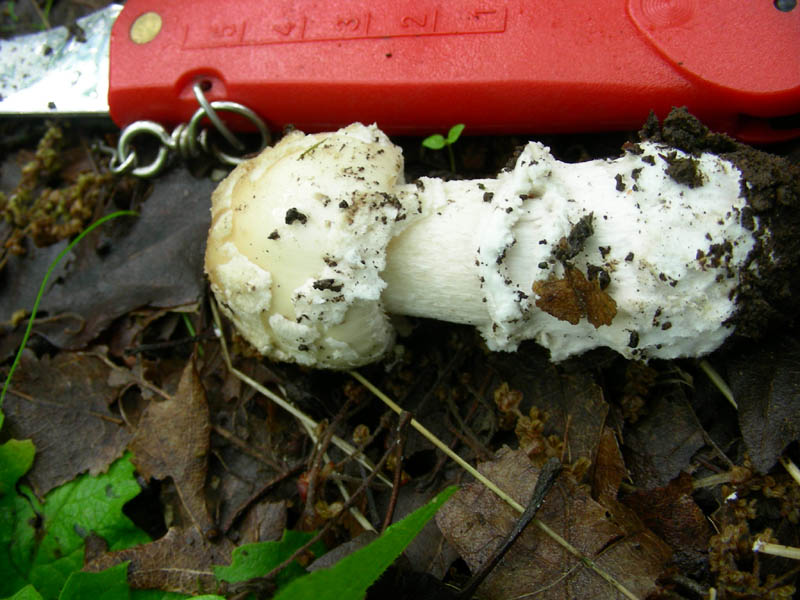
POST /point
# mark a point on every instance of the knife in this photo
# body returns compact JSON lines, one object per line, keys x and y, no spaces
{"x":419,"y":66}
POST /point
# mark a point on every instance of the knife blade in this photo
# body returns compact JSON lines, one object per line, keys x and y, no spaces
{"x":62,"y":71}
{"x":498,"y":66}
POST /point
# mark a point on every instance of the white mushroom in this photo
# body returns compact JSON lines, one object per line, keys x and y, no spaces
{"x":315,"y":240}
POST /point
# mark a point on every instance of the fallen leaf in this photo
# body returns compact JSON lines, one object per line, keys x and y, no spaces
{"x":662,"y":442}
{"x":153,"y":260}
{"x":181,"y":561}
{"x":428,"y":552}
{"x":673,"y":515}
{"x":62,"y":404}
{"x":265,"y":522}
{"x":670,"y":512}
{"x":573,"y":297}
{"x":573,"y":402}
{"x":475,"y":522}
{"x":20,"y":279}
{"x":609,"y":469}
{"x":766,"y":384}
{"x":172,"y":440}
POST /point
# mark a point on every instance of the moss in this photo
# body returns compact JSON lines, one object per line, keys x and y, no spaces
{"x":45,"y":208}
{"x":764,"y":506}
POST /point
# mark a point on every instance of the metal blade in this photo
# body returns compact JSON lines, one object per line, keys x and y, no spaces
{"x":62,"y":71}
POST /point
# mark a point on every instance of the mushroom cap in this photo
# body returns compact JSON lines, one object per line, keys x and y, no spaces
{"x":298,"y":241}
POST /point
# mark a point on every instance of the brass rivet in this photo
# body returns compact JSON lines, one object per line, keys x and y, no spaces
{"x":145,"y":27}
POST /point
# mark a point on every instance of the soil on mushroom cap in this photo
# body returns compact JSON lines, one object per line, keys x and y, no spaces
{"x":768,"y":296}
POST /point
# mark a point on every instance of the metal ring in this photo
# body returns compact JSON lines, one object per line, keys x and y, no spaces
{"x":117,"y":167}
{"x":235,"y":108}
{"x":183,"y":143}
{"x":130,"y":156}
{"x":214,"y":118}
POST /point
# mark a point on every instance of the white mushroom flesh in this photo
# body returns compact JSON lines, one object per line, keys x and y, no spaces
{"x":313,"y":239}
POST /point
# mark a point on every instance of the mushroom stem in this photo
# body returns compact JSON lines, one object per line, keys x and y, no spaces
{"x":314,"y":238}
{"x":428,"y":268}
{"x":620,"y":253}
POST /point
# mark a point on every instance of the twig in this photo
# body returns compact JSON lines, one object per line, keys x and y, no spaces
{"x":362,"y":520}
{"x":382,"y":424}
{"x":137,"y":378}
{"x":494,"y":488}
{"x":718,"y":381}
{"x":256,"y":496}
{"x":169,"y":344}
{"x":791,"y":468}
{"x":713,"y":480}
{"x":246,"y":448}
{"x":307,"y":421}
{"x":547,"y":477}
{"x":401,"y":425}
{"x":437,"y":442}
{"x":42,"y":17}
{"x":776,"y":549}
{"x":468,"y":440}
{"x":319,"y":454}
{"x":398,"y":473}
{"x":466,"y":435}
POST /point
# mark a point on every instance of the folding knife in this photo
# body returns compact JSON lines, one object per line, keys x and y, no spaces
{"x":419,"y":66}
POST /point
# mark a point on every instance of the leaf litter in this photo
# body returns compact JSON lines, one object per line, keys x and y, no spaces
{"x":476,"y":521}
{"x":155,"y":261}
{"x":661,"y":487}
{"x":172,"y":440}
{"x":56,"y":401}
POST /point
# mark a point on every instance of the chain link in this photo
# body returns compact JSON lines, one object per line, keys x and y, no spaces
{"x":185,"y":140}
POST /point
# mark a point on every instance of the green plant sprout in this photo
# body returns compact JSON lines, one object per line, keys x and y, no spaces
{"x":437,"y":141}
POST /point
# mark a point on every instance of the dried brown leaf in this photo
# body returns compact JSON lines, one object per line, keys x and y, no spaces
{"x":265,"y":522}
{"x":672,"y":513}
{"x":62,"y":404}
{"x":574,"y":405}
{"x":766,"y":384}
{"x":172,"y":440}
{"x":153,"y":260}
{"x":181,"y":562}
{"x":475,"y":521}
{"x":609,"y":469}
{"x":573,"y":297}
{"x":662,"y":443}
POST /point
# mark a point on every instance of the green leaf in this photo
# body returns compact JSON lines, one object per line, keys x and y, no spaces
{"x":42,"y":543}
{"x":350,"y":577}
{"x":111,"y":584}
{"x":256,"y":560}
{"x":434,"y":142}
{"x":16,"y":532}
{"x":16,"y":457}
{"x":27,"y":593}
{"x":454,"y":133}
{"x":161,"y":595}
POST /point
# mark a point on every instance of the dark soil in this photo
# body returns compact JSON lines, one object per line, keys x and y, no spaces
{"x":769,"y":295}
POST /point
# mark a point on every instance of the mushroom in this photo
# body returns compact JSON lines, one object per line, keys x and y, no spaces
{"x":317,"y":239}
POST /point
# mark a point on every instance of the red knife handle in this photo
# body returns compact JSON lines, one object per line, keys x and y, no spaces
{"x":499,"y":66}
